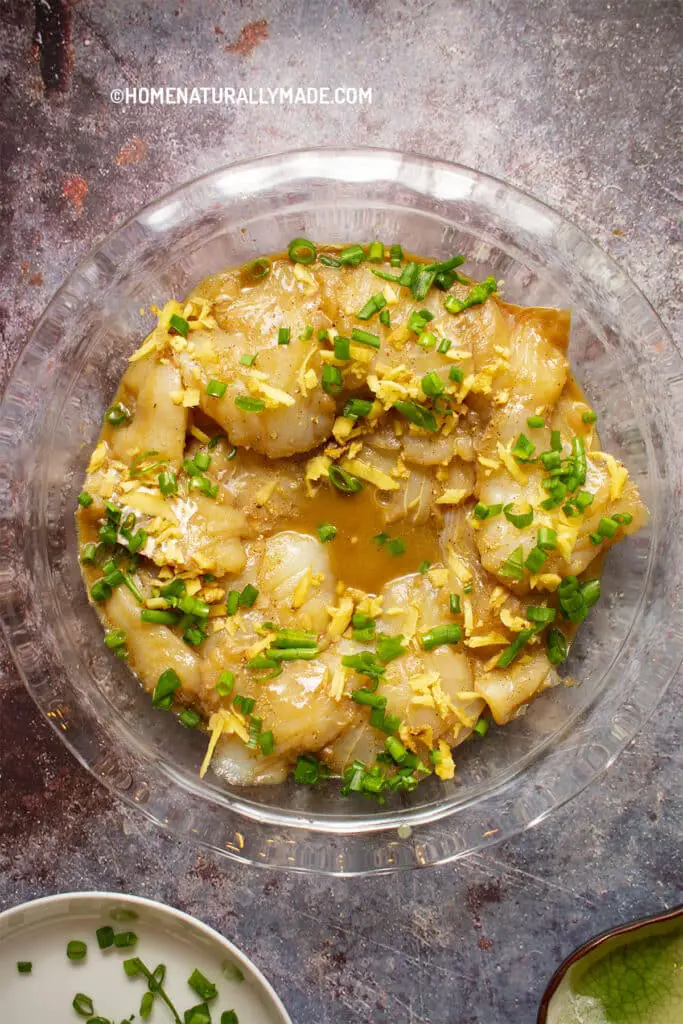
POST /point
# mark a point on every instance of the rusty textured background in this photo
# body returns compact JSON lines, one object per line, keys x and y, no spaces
{"x":575,"y":101}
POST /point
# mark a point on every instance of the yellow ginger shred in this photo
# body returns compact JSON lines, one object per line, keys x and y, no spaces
{"x":302,"y":588}
{"x":487,"y":640}
{"x":340,"y":616}
{"x":375,"y":476}
{"x":545,"y":581}
{"x":511,"y":464}
{"x":618,"y":474}
{"x":515,"y":623}
{"x":199,"y":434}
{"x":452,"y":496}
{"x":98,"y":456}
{"x":445,"y":766}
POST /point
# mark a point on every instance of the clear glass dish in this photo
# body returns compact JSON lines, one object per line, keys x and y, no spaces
{"x":625,"y":654}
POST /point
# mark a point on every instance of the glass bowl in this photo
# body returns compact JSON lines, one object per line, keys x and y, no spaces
{"x":627,"y":651}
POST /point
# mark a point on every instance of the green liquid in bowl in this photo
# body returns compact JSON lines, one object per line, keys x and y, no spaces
{"x":636,"y":978}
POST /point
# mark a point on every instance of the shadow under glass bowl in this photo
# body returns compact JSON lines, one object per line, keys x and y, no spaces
{"x":626,"y":652}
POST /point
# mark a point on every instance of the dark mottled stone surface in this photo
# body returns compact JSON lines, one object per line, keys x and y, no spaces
{"x":575,"y":102}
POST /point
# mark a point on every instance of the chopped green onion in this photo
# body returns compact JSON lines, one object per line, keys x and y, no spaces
{"x":89,"y":553}
{"x":248,"y":359}
{"x":326,"y":532}
{"x":307,"y":771}
{"x":373,"y":700}
{"x":248,"y":404}
{"x":580,"y":462}
{"x":379,"y":719}
{"x":248,"y":596}
{"x":454,"y":604}
{"x":419,"y":320}
{"x":381,"y":538}
{"x":244,"y":704}
{"x":76,"y":950}
{"x":395,"y":749}
{"x":426,"y":340}
{"x":197,"y":1015}
{"x":395,"y":255}
{"x":117,"y":414}
{"x":179,"y":324}
{"x":343,"y":481}
{"x":300,"y":250}
{"x":540,"y":614}
{"x":100,"y":590}
{"x":417,"y":414}
{"x":482,"y":511}
{"x":372,"y":306}
{"x":332,"y":379}
{"x":105,"y":937}
{"x":283,"y":335}
{"x":511,"y":652}
{"x":590,"y":591}
{"x":535,"y":422}
{"x":590,"y":417}
{"x":267,"y":741}
{"x":352,"y":255}
{"x":376,"y":252}
{"x":457,"y":374}
{"x":83,"y":1005}
{"x":523,"y":448}
{"x":535,"y":559}
{"x":422,"y":283}
{"x":385,"y":317}
{"x":556,"y":440}
{"x":478,"y":293}
{"x":432,"y":385}
{"x":232,"y":602}
{"x":551,"y":460}
{"x":229,"y":1017}
{"x":446,"y":265}
{"x":226,"y":682}
{"x":357,"y":407}
{"x":481,"y":726}
{"x":257,"y":270}
{"x":423,"y":567}
{"x":607,"y":526}
{"x":582,"y":499}
{"x":438,"y":635}
{"x":623,"y":518}
{"x":193,"y":606}
{"x":556,"y":647}
{"x":189,"y":718}
{"x":295,"y":638}
{"x":342,"y":348}
{"x":24,"y":966}
{"x":444,"y":346}
{"x":202,"y":460}
{"x":204,"y":988}
{"x":365,"y":338}
{"x":390,"y":647}
{"x":134,"y":966}
{"x":85,"y":499}
{"x":364,"y":663}
{"x":513,"y":566}
{"x":409,"y":275}
{"x":396,"y":547}
{"x":167,"y":684}
{"x":384,"y":276}
{"x":518,"y":519}
{"x":137,"y":541}
{"x":307,"y":333}
{"x":114,"y":638}
{"x":328,"y":260}
{"x":547,"y":539}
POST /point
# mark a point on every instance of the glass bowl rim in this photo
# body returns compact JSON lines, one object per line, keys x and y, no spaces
{"x":403,"y":164}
